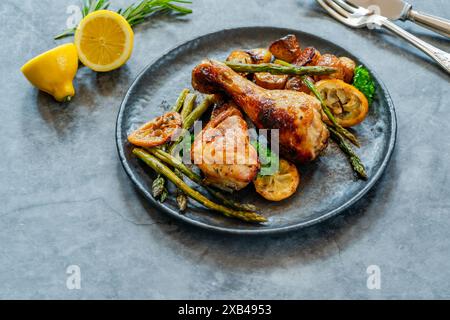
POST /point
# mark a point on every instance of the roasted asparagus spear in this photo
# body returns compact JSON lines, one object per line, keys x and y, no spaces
{"x":274,"y":68}
{"x":159,"y":189}
{"x":355,"y":161}
{"x":177,"y":164}
{"x":162,"y":169}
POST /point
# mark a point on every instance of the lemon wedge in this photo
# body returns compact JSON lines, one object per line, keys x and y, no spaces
{"x":53,"y":71}
{"x":104,"y":40}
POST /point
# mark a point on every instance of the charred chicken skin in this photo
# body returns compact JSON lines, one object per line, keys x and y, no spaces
{"x":297,"y":115}
{"x":223,"y":151}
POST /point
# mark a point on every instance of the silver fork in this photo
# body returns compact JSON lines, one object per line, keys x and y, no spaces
{"x":359,"y":17}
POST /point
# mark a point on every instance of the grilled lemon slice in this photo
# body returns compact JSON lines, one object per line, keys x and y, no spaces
{"x":157,"y":131}
{"x":280,"y":185}
{"x":348,"y":105}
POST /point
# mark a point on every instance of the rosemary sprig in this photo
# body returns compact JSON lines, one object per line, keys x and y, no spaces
{"x":138,"y":12}
{"x":135,"y":14}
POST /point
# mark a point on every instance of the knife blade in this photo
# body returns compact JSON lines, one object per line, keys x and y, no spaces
{"x":401,"y":10}
{"x":391,"y":9}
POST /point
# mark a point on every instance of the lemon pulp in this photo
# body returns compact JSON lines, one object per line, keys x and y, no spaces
{"x":104,"y":40}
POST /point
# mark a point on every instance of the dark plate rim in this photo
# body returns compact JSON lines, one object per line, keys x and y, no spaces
{"x":370,"y":183}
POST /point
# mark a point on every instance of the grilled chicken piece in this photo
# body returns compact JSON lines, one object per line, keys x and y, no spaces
{"x":297,"y":115}
{"x":223,"y":151}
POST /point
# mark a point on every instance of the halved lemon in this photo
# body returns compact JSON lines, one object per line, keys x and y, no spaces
{"x":104,"y":40}
{"x":53,"y":71}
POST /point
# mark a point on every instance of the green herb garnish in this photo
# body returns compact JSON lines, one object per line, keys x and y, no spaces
{"x":135,"y":14}
{"x":363,"y":81}
{"x":270,"y":161}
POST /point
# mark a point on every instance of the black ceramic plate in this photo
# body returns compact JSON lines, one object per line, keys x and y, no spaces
{"x":328,"y":185}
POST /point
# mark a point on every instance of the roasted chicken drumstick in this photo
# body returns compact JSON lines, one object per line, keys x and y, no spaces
{"x":297,"y":115}
{"x":223,"y":151}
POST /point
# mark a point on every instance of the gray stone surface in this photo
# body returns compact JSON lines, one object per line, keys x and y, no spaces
{"x":65,"y":200}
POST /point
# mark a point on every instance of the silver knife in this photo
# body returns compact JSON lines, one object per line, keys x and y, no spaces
{"x":401,"y":10}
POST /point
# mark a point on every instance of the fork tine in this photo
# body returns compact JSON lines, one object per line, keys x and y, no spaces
{"x":351,"y":4}
{"x":333,"y":13}
{"x":338,"y":8}
{"x":345,"y":5}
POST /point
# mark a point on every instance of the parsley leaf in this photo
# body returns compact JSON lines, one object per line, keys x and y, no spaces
{"x":363,"y":81}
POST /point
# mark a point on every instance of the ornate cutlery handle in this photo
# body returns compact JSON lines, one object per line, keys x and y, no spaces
{"x":440,"y":56}
{"x":434,"y":23}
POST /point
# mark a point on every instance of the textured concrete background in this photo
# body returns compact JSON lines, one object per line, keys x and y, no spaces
{"x":65,"y":199}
